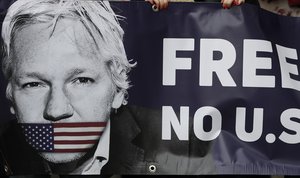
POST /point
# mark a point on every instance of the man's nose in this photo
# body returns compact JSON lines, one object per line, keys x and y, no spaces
{"x":58,"y":106}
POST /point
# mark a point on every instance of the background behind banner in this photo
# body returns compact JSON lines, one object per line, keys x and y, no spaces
{"x":145,"y":32}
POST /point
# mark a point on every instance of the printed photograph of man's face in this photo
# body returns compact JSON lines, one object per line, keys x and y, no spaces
{"x":66,"y":69}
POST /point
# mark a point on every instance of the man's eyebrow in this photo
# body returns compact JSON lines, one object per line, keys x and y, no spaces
{"x":75,"y":71}
{"x":32,"y":75}
{"x":35,"y":75}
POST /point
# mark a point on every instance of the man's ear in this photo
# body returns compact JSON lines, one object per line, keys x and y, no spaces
{"x":118,"y":100}
{"x":9,"y":96}
{"x":9,"y":91}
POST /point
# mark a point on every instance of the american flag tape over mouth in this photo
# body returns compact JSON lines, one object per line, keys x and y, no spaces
{"x":63,"y":137}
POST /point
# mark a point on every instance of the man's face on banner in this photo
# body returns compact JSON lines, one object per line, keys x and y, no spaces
{"x":59,"y":79}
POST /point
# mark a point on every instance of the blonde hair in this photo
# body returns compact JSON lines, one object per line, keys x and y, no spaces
{"x":98,"y":18}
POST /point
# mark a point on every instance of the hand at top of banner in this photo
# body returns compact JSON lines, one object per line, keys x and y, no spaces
{"x":159,"y":4}
{"x":229,"y":3}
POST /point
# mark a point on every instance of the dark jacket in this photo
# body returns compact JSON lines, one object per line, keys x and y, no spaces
{"x":136,"y":148}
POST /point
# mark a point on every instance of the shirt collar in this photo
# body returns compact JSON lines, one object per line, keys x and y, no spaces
{"x":101,"y":155}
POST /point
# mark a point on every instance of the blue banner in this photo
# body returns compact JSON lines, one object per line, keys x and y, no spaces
{"x":233,"y":75}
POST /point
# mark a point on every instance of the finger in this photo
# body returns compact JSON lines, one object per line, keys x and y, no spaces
{"x":238,"y":2}
{"x":242,"y":1}
{"x":157,"y":3}
{"x":163,"y":4}
{"x":227,"y":4}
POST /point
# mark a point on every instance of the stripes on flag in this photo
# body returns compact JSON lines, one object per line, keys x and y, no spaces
{"x":63,"y":137}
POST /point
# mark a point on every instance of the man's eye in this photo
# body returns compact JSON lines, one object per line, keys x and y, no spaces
{"x":31,"y":85}
{"x":83,"y":80}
